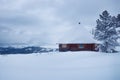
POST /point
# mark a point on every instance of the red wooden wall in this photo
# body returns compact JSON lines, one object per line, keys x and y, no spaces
{"x":77,"y":47}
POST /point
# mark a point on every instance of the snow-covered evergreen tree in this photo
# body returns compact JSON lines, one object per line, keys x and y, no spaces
{"x":118,"y":18}
{"x":106,"y":32}
{"x":118,"y":23}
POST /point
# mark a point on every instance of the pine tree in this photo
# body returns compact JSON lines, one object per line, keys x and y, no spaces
{"x":106,"y":32}
{"x":118,"y":21}
{"x":118,"y":26}
{"x":118,"y":17}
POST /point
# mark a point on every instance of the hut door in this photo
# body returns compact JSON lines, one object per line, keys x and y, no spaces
{"x":81,"y":46}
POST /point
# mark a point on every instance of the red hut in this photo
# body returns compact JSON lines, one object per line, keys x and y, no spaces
{"x":78,"y":39}
{"x":78,"y":47}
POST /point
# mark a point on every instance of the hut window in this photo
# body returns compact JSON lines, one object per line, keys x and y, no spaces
{"x":81,"y":46}
{"x":64,"y":45}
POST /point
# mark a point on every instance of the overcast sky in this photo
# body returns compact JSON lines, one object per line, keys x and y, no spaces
{"x":46,"y":21}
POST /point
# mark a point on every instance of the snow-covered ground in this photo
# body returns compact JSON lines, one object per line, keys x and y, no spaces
{"x":61,"y":66}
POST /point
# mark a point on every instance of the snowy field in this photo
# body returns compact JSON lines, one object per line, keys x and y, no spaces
{"x":61,"y":66}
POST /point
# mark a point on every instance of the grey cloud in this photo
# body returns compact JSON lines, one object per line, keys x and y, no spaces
{"x":46,"y":21}
{"x":17,"y":20}
{"x":86,"y":10}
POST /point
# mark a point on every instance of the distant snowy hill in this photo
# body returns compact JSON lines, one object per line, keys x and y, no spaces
{"x":25,"y":50}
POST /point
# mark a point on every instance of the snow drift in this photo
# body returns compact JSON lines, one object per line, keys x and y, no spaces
{"x":60,"y":66}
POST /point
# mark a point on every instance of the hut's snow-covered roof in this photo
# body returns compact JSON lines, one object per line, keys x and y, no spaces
{"x":78,"y":34}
